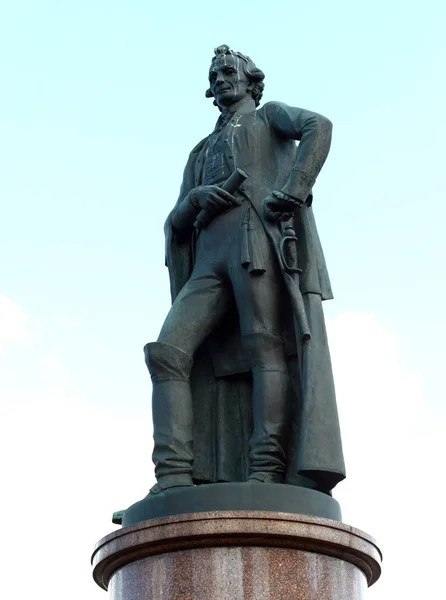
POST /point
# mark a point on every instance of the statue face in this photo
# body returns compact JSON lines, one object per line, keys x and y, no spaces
{"x":228,"y":81}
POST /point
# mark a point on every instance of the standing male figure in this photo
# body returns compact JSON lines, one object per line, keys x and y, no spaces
{"x":242,"y":380}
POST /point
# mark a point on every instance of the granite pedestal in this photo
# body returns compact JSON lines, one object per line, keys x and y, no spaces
{"x":237,"y":555}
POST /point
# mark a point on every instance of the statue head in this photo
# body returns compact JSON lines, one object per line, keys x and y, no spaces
{"x":233,"y":76}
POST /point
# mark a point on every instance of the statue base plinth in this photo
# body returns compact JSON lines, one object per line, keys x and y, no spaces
{"x":237,"y":555}
{"x":270,"y":497}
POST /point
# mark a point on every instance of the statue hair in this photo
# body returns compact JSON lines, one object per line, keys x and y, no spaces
{"x":255,"y":75}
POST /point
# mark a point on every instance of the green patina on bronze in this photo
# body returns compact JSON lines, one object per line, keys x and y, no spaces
{"x":242,"y":380}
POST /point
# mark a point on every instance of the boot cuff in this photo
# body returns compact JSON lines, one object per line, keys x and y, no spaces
{"x":165,"y":362}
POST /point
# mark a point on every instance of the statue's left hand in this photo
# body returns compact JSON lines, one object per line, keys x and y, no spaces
{"x":279,"y":207}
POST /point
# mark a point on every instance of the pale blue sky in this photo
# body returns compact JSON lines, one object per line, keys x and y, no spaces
{"x":100,"y":104}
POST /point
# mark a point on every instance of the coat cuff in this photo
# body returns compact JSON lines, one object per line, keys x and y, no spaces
{"x":299,"y":185}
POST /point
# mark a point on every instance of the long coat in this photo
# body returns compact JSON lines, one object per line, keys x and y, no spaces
{"x":221,"y":383}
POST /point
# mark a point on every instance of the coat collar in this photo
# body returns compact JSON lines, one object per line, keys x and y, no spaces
{"x":247,"y":107}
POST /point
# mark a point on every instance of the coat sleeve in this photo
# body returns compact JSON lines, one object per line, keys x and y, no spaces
{"x":313,"y":131}
{"x":178,"y":249}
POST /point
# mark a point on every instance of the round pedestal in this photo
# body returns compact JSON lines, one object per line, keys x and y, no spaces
{"x":237,"y":555}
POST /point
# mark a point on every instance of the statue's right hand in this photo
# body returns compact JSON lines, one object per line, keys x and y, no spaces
{"x":213,"y":199}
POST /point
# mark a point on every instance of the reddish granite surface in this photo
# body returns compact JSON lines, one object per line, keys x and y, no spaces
{"x":240,"y":555}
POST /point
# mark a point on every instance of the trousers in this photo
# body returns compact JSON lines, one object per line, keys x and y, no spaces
{"x":222,"y":277}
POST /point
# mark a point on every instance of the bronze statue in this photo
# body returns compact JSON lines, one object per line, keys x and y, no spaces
{"x":242,"y":380}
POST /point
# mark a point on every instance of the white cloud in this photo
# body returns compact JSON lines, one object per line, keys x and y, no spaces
{"x":13,"y":323}
{"x":66,"y":467}
{"x":391,"y":464}
{"x":52,"y":363}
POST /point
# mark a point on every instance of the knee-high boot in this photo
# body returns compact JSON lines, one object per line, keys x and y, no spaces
{"x":270,"y":407}
{"x":172,"y":414}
